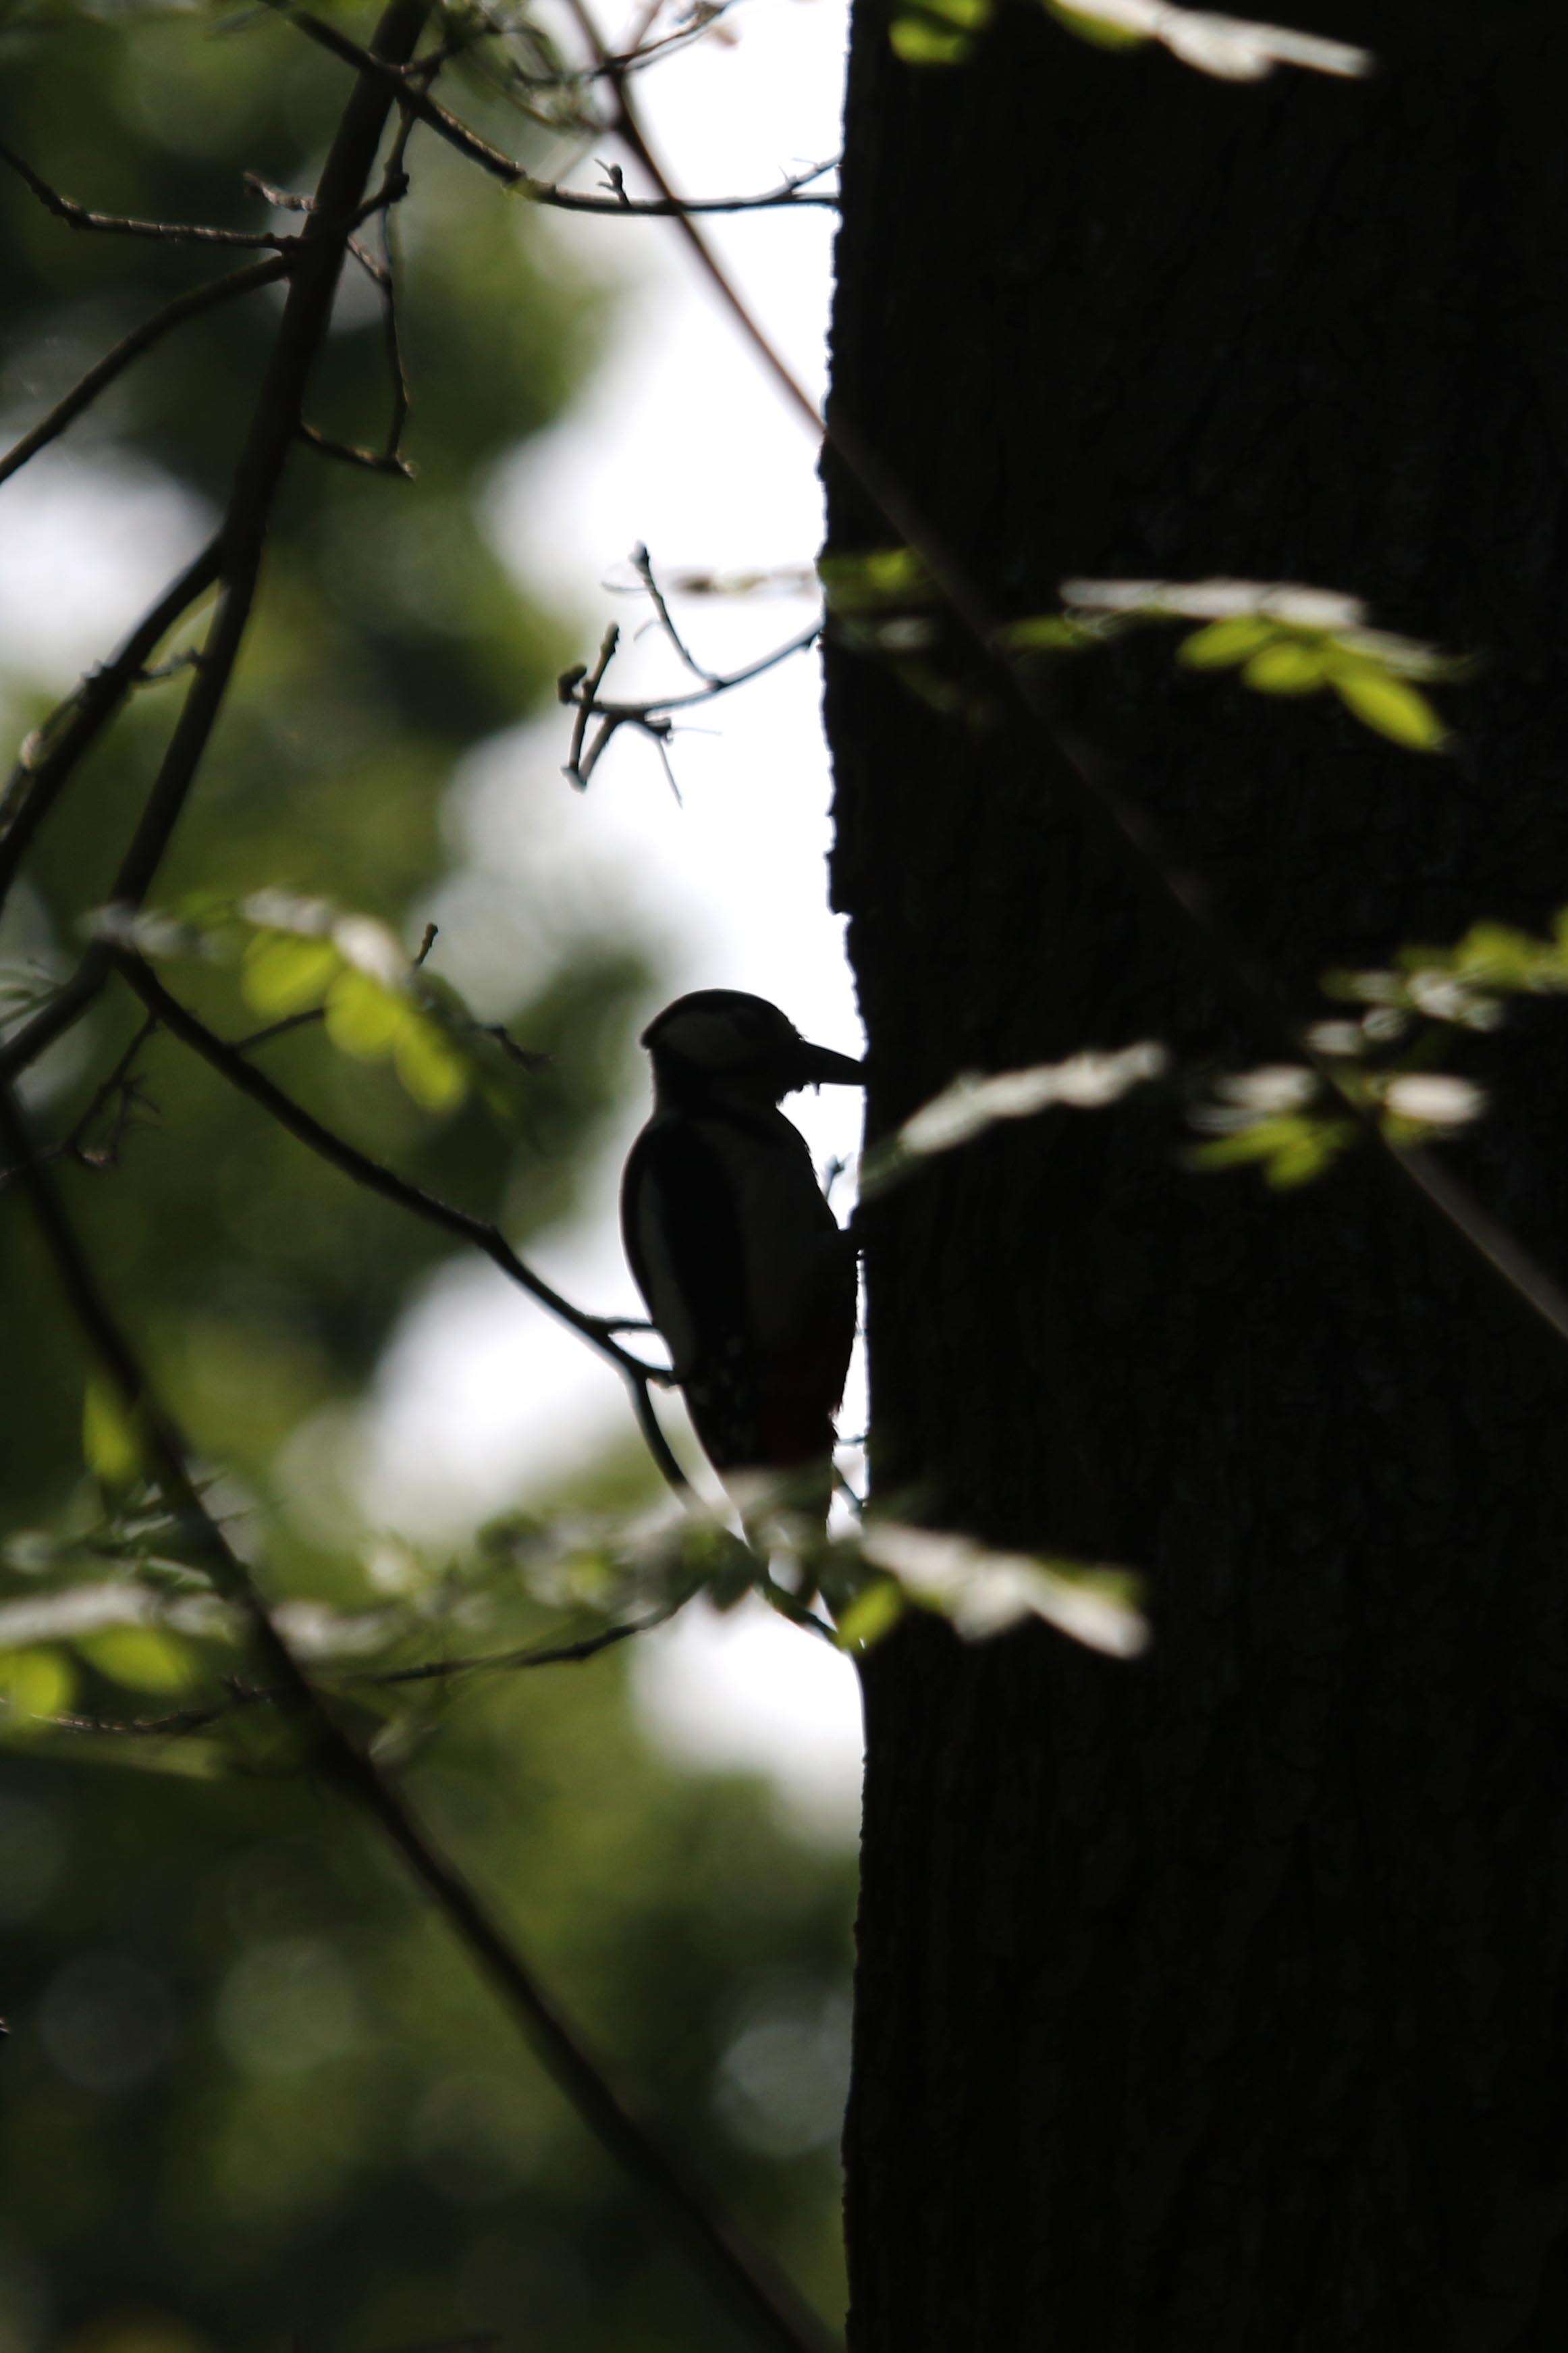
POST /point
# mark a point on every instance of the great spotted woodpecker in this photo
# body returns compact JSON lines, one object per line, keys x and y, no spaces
{"x":746,"y":1271}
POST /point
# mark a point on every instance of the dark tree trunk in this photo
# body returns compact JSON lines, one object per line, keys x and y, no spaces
{"x":1219,"y":2001}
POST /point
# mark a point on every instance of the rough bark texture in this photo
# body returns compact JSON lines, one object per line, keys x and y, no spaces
{"x":1220,"y":2001}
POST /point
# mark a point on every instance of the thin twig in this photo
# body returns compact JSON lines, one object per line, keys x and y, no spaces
{"x":120,"y":1082}
{"x":182,"y":1723}
{"x":651,"y":717}
{"x":402,"y":398}
{"x":229,"y":1061}
{"x":130,"y":348}
{"x":373,"y":1175}
{"x":793,"y":192}
{"x":78,"y":216}
{"x":760,"y":2297}
{"x":53,"y":752}
{"x":371,"y":461}
{"x":658,"y":1446}
{"x":582,"y":686}
{"x":526,"y":1058}
{"x":642,"y":564}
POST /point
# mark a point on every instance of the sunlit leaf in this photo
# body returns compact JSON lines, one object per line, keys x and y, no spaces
{"x":142,"y":1658}
{"x":33,"y":1684}
{"x":872,"y":579}
{"x":282,"y":974}
{"x":983,"y":1593}
{"x":921,"y":41}
{"x":974,"y":1102}
{"x":1291,"y":1149}
{"x":1390,"y":706}
{"x":1091,"y":26}
{"x":1231,"y":48}
{"x":67,"y":1612}
{"x":1224,"y":643}
{"x":874,"y":1611}
{"x":1052,"y":633}
{"x":1288,"y":666}
{"x":111,"y":1444}
{"x":429,"y":1065}
{"x":1287,"y":602}
{"x":1434,"y":1099}
{"x":371,"y":949}
{"x":363,"y":1017}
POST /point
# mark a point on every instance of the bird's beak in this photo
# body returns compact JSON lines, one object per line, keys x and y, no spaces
{"x":819,"y":1066}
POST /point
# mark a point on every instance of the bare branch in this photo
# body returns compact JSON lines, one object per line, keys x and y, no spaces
{"x":642,"y":564}
{"x":130,"y":348}
{"x":580,"y":686}
{"x":76,"y":216}
{"x":372,"y":461}
{"x":763,"y":2300}
{"x":182,"y":1723}
{"x":652,"y":717}
{"x":53,"y":752}
{"x":796,"y":190}
{"x":124,"y":1090}
{"x":231,"y":1065}
{"x":397,"y":374}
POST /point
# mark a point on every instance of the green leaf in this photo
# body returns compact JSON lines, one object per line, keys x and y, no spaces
{"x":1389,"y":706}
{"x":919,"y":42}
{"x":429,"y":1065}
{"x":111,"y":1443}
{"x":1304,"y":1157}
{"x":142,"y":1658}
{"x":1289,"y":667}
{"x":1499,"y":952}
{"x":283,"y":973}
{"x":873,"y":1613}
{"x":1054,"y":633}
{"x":875,"y":577}
{"x":1094,"y":28}
{"x":362,"y":1018}
{"x":1292,"y":1149}
{"x":33,"y":1684}
{"x":1222,"y":644}
{"x":970,"y":15}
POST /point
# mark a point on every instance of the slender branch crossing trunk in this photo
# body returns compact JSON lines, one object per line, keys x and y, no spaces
{"x":1221,"y":2001}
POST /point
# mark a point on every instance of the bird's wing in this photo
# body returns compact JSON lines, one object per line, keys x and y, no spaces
{"x":682,"y":1235}
{"x":748,"y":1277}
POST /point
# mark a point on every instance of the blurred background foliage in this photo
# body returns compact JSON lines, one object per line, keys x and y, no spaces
{"x":251,"y":2096}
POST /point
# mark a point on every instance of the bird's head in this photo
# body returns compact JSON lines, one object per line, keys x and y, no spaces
{"x":721,"y":1044}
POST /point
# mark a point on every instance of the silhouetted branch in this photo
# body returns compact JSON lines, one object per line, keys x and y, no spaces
{"x":130,"y":348}
{"x":371,"y":461}
{"x":307,"y":1129}
{"x":761,"y":2298}
{"x":182,"y":1723}
{"x":54,"y":750}
{"x":78,"y":216}
{"x":120,"y":1087}
{"x":793,"y":191}
{"x":642,"y":564}
{"x":654,"y":716}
